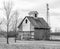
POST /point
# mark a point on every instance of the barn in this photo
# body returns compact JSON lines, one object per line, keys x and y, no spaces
{"x":33,"y":27}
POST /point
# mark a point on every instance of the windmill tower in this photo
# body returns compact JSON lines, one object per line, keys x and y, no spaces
{"x":47,"y":13}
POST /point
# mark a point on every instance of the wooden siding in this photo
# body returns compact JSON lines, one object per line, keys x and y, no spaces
{"x":39,"y":34}
{"x":31,"y":27}
{"x":26,"y":26}
{"x":26,"y":35}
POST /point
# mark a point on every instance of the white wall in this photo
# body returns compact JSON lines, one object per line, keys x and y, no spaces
{"x":26,"y":26}
{"x":31,"y":27}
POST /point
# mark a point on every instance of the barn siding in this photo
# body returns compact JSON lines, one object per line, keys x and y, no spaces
{"x":47,"y":34}
{"x":38,"y":34}
{"x":41,"y":34}
{"x":31,"y":27}
{"x":26,"y":26}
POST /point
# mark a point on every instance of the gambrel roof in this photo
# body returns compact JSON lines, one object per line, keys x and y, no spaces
{"x":36,"y":22}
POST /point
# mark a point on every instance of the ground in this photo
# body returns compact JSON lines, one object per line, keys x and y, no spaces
{"x":29,"y":44}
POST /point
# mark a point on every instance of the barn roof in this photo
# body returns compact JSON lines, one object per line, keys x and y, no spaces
{"x":37,"y":22}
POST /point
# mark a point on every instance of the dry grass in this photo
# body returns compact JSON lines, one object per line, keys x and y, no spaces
{"x":30,"y":45}
{"x":26,"y":46}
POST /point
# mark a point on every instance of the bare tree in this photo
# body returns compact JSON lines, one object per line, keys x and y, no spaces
{"x":16,"y":20}
{"x":8,"y":9}
{"x":16,"y":15}
{"x":1,"y":22}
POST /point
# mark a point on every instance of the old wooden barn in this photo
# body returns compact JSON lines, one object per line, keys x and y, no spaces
{"x":33,"y":27}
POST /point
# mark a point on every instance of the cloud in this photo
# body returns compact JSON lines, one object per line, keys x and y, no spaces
{"x":54,"y":12}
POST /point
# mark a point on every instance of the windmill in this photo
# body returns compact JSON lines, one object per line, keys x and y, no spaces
{"x":47,"y":13}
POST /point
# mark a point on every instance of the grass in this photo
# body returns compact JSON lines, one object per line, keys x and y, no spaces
{"x":29,"y":44}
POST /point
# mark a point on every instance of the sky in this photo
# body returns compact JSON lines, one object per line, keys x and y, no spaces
{"x":24,"y":6}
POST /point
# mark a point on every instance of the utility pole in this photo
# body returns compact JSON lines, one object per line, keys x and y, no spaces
{"x":47,"y":13}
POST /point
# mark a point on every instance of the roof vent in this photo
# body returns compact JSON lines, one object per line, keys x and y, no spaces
{"x":33,"y":13}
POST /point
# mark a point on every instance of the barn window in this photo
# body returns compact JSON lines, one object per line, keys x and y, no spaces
{"x":35,"y":15}
{"x":26,"y":20}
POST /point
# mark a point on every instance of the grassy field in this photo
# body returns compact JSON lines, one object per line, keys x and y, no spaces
{"x":33,"y":45}
{"x":29,"y":44}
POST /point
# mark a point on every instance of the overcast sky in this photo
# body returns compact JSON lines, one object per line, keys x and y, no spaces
{"x":24,"y":6}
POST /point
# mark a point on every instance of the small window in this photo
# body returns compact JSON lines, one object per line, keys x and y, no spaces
{"x":35,"y":15}
{"x":26,"y":20}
